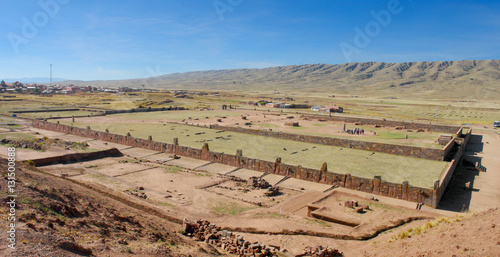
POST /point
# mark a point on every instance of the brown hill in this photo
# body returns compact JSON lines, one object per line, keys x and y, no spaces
{"x":470,"y":78}
{"x":55,"y":217}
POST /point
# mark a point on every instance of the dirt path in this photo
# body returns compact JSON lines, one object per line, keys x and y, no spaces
{"x":486,"y":192}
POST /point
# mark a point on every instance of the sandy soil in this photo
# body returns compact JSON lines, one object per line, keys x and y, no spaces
{"x":198,"y":194}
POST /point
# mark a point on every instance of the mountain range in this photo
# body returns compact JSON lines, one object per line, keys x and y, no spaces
{"x":456,"y":79}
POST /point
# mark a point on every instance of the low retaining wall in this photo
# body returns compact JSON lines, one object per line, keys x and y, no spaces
{"x":47,"y":110}
{"x":73,"y":116}
{"x":149,"y":109}
{"x":407,"y":125}
{"x":101,"y":112}
{"x":411,"y":151}
{"x":76,"y":157}
{"x":376,"y":185}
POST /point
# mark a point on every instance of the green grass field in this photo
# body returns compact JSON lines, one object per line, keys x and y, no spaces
{"x":394,"y":168}
{"x":388,"y":136}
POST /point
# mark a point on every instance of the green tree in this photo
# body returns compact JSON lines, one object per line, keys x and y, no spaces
{"x":3,"y":84}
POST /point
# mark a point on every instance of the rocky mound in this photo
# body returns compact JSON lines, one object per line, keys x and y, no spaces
{"x":42,"y":144}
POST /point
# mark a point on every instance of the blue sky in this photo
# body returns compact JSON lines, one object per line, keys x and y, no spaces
{"x":91,"y":40}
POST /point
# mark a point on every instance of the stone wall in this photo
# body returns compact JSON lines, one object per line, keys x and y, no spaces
{"x":148,"y":109}
{"x":47,"y":110}
{"x":449,"y":147}
{"x":76,"y":157}
{"x":411,"y":151}
{"x":388,"y":123}
{"x":376,"y":185}
{"x":441,"y":184}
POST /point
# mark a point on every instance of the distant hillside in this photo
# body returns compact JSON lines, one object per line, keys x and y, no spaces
{"x":471,"y":79}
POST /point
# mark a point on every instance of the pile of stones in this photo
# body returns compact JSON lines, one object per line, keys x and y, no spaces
{"x":358,"y":207}
{"x":31,"y":144}
{"x":261,"y":183}
{"x":136,"y":193}
{"x":258,"y":182}
{"x":202,"y":230}
{"x":41,"y":144}
{"x":480,"y":167}
{"x":272,"y":191}
{"x":320,"y":251}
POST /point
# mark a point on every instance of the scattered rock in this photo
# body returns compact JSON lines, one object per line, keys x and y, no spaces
{"x":75,"y":248}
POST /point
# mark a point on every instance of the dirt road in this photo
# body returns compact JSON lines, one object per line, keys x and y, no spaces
{"x":486,"y":190}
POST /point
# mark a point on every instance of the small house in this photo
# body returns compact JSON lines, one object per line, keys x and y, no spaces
{"x":316,"y":108}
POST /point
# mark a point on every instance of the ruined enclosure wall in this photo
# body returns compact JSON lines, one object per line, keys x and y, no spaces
{"x":373,"y":186}
{"x":449,"y":147}
{"x":407,"y":125}
{"x":441,"y":184}
{"x":149,"y":109}
{"x":47,"y":110}
{"x":411,"y":151}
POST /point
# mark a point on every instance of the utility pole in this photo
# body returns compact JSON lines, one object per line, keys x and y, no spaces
{"x":50,"y":75}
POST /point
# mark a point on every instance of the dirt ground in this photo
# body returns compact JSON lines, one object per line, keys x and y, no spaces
{"x":472,"y":235}
{"x":199,"y":194}
{"x":177,"y":188}
{"x":487,"y":194}
{"x":185,"y":200}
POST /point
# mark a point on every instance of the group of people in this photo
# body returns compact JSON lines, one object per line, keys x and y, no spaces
{"x":356,"y":131}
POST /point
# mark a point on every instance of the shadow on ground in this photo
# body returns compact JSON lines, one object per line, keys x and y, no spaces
{"x":457,"y":197}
